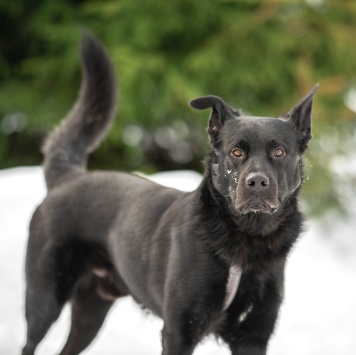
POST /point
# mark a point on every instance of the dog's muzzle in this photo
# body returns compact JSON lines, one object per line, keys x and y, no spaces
{"x":256,"y":194}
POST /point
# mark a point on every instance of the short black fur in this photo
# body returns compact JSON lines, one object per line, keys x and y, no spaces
{"x":99,"y":236}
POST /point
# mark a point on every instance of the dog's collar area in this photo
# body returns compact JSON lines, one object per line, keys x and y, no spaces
{"x":232,"y":285}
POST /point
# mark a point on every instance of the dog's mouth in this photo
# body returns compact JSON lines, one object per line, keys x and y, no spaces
{"x":256,"y":205}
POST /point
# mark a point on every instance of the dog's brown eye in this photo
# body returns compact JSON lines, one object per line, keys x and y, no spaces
{"x":278,"y":152}
{"x":237,"y":152}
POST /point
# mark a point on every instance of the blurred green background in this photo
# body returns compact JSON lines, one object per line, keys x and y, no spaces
{"x":261,"y":56}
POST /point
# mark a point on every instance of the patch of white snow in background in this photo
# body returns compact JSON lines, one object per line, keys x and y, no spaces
{"x":185,"y":180}
{"x":318,"y":316}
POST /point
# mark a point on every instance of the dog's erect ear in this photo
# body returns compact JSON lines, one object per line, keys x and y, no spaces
{"x":300,"y":114}
{"x":221,"y":112}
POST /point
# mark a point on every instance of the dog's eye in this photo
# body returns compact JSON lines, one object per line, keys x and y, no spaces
{"x":237,"y":152}
{"x":279,"y":152}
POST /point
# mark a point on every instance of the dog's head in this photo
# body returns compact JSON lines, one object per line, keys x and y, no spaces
{"x":256,"y":161}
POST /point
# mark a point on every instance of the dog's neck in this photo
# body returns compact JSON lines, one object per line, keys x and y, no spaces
{"x":250,"y":240}
{"x":258,"y":224}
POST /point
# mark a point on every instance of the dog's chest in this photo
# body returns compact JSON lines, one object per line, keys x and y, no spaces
{"x":232,"y":285}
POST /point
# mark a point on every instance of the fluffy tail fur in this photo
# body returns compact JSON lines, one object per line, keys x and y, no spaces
{"x":66,"y":149}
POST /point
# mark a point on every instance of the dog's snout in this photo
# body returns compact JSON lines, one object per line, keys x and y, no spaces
{"x":257,"y":181}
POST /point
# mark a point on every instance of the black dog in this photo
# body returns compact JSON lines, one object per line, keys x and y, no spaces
{"x":209,"y":261}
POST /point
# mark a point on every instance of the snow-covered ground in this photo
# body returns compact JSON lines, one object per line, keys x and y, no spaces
{"x":318,"y":316}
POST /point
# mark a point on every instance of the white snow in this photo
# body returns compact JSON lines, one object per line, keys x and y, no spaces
{"x":318,"y":316}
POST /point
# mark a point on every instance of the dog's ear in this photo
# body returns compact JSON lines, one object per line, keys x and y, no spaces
{"x":300,"y":114}
{"x":221,"y":112}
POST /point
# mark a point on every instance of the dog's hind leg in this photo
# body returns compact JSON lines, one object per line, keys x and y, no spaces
{"x":89,"y":309}
{"x":45,"y":295}
{"x":42,"y":307}
{"x":41,"y":313}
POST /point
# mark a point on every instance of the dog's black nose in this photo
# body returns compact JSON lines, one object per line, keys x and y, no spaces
{"x":257,"y":181}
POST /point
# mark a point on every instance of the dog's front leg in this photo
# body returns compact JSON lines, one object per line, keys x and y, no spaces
{"x":252,"y":328}
{"x":251,"y":338}
{"x":249,"y":350}
{"x":175,"y":343}
{"x":183,"y":329}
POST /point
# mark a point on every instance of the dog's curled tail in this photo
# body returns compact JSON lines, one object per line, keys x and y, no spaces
{"x":66,"y":149}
